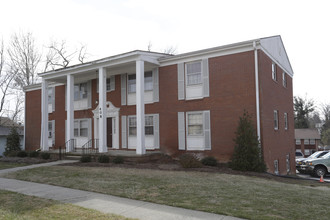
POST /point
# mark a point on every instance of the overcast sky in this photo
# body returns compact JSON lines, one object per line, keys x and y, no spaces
{"x":111,"y":27}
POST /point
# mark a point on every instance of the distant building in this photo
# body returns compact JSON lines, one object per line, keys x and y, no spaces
{"x":307,"y":140}
{"x":5,"y":126}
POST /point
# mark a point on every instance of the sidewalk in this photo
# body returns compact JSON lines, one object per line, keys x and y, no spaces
{"x":101,"y":202}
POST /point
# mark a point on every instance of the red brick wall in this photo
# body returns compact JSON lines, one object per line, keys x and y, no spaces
{"x":276,"y":144}
{"x":32,"y":119}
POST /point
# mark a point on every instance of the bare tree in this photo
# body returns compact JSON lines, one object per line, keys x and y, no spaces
{"x":24,"y":59}
{"x":149,"y":46}
{"x":5,"y":79}
{"x":170,"y":50}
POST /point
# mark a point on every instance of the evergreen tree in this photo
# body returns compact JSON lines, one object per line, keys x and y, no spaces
{"x":13,"y":142}
{"x":247,"y":154}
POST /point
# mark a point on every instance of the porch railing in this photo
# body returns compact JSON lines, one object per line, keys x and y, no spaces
{"x":70,"y":145}
{"x":91,"y":146}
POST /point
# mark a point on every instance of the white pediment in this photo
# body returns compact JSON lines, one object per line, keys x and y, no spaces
{"x":274,"y":47}
{"x":111,"y":110}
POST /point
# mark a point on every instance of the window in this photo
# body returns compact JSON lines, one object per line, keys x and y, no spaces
{"x":307,"y":152}
{"x":50,"y":96}
{"x":288,"y":163}
{"x":110,"y":84}
{"x":148,"y":82}
{"x":312,"y":141}
{"x":306,"y":141}
{"x":148,"y":125}
{"x":50,"y":129}
{"x":81,"y":128}
{"x":80,"y":91}
{"x":298,"y":142}
{"x":195,"y":124}
{"x":274,"y":76}
{"x":194,"y":73}
{"x":275,"y":119}
{"x":284,"y":79}
{"x":276,"y":170}
{"x":286,"y":121}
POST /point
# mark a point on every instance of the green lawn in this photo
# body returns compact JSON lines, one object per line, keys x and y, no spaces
{"x":19,"y":206}
{"x":234,"y":195}
{"x":7,"y":165}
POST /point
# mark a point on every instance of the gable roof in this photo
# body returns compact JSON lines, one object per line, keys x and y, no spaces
{"x":274,"y":47}
{"x":306,"y":133}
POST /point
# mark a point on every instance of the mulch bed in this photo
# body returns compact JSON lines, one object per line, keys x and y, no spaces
{"x":26,"y":160}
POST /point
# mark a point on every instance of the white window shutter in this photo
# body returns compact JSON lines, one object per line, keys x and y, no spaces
{"x":53,"y":99}
{"x":181,"y":86}
{"x":205,"y":75}
{"x":156,"y":130}
{"x":181,"y":131}
{"x":53,"y":132}
{"x":112,"y":83}
{"x":89,"y":128}
{"x":207,"y":130}
{"x":123,"y":89}
{"x":89,"y":94}
{"x":155,"y":77}
{"x":123,"y":131}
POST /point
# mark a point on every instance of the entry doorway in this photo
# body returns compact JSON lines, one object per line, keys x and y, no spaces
{"x":109,"y":132}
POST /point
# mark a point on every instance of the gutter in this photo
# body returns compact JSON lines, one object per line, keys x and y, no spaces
{"x":256,"y":72}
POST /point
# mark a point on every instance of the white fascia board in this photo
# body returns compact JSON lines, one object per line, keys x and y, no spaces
{"x":105,"y":63}
{"x":38,"y":86}
{"x":208,"y":53}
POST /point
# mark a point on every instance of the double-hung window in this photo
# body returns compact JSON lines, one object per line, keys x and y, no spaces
{"x":284,"y":79}
{"x":274,"y":76}
{"x":195,"y":124}
{"x":286,"y":121}
{"x":148,"y":125}
{"x":298,"y":142}
{"x":148,"y":82}
{"x":194,"y":73}
{"x":110,"y":84}
{"x":81,"y":128}
{"x":275,"y":119}
{"x":80,"y":91}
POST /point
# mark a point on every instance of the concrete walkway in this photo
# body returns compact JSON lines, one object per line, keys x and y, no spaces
{"x":101,"y":202}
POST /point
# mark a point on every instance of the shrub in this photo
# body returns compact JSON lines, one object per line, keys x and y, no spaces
{"x":103,"y":159}
{"x":11,"y":154}
{"x":22,"y":154}
{"x":12,"y":142}
{"x":45,"y":155}
{"x":33,"y":154}
{"x":209,"y":161}
{"x":189,"y":161}
{"x":86,"y":158}
{"x":247,"y":153}
{"x":118,"y":160}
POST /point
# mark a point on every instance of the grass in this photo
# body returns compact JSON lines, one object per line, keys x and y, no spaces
{"x":234,"y":195}
{"x":19,"y":206}
{"x":7,"y":165}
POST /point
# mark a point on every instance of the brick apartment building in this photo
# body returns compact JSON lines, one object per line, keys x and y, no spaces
{"x":188,"y":102}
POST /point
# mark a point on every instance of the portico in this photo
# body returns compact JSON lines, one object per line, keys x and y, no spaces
{"x":134,"y":62}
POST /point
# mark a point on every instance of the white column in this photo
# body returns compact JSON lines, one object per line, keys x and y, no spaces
{"x":102,"y":111}
{"x":69,"y":112}
{"x":140,"y":136}
{"x":44,"y":116}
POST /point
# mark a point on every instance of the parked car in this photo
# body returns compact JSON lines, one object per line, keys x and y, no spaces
{"x":301,"y":162}
{"x":299,"y":154}
{"x":319,"y":166}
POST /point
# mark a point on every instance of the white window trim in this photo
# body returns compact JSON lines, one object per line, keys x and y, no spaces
{"x":134,"y":116}
{"x":284,"y":80}
{"x":306,"y":141}
{"x":88,"y":127}
{"x":286,"y":121}
{"x":274,"y":73}
{"x":312,"y":141}
{"x":298,"y":142}
{"x":186,"y":73}
{"x":187,"y":123}
{"x":130,"y":74}
{"x":276,"y":119}
{"x":108,"y":78}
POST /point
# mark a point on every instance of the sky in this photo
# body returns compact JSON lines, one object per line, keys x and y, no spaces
{"x":110,"y":27}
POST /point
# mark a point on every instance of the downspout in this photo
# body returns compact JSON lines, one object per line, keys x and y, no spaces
{"x":256,"y":73}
